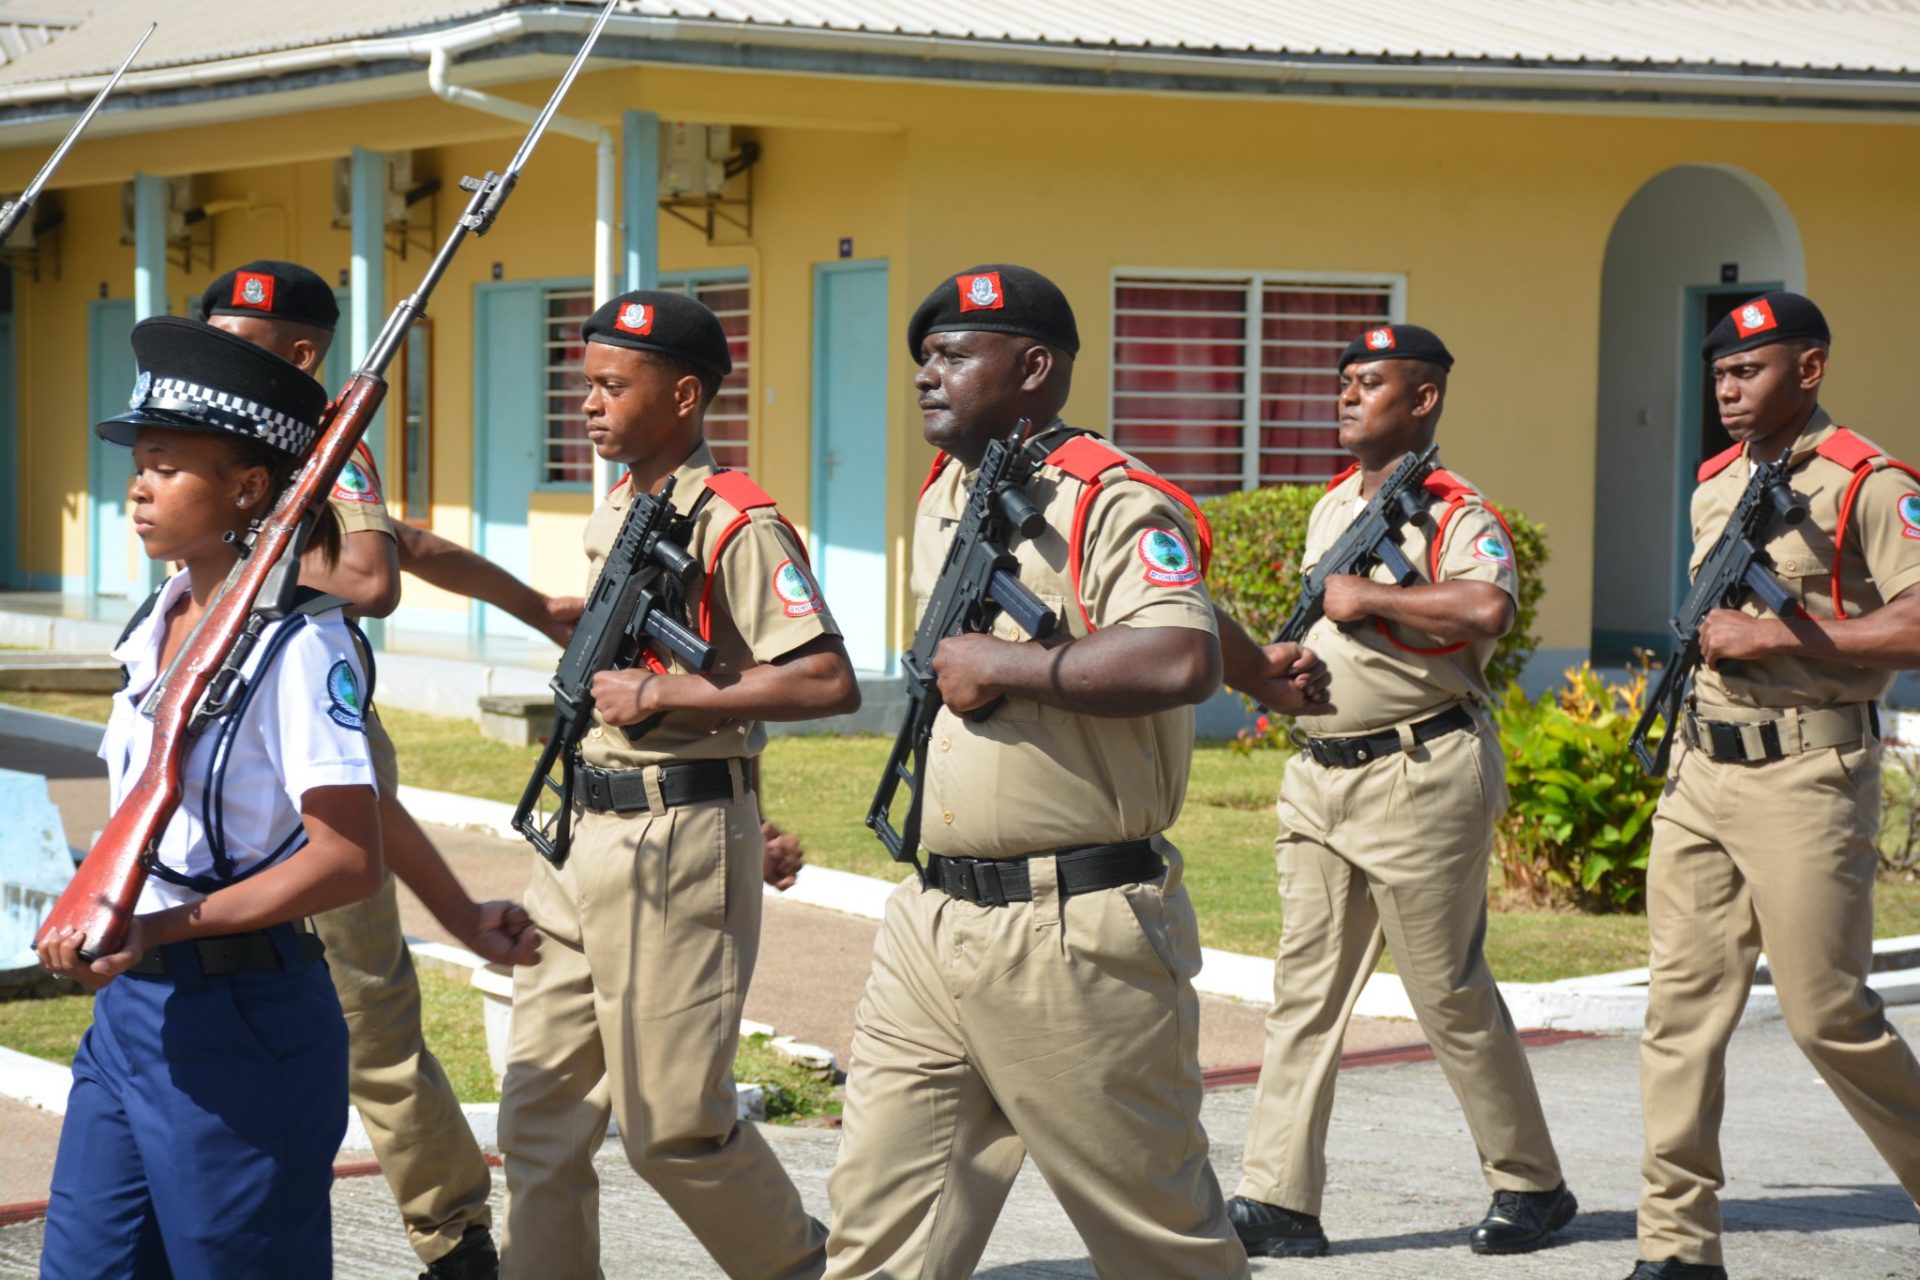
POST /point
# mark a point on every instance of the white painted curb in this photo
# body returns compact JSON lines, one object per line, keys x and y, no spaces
{"x":55,"y":731}
{"x":35,"y":1081}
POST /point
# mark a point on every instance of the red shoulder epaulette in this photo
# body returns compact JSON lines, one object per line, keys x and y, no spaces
{"x":940,"y":461}
{"x":1453,"y":491}
{"x":1448,"y":487}
{"x":1086,"y":457}
{"x":1342,"y":478}
{"x":1848,"y":449}
{"x":737,"y":491}
{"x":1862,"y":458}
{"x":1718,"y":462}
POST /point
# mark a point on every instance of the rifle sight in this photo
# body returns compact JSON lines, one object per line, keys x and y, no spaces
{"x":1786,"y":503}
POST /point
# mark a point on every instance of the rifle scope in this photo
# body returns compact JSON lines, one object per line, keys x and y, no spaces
{"x":1020,"y":513}
{"x":1786,"y":503}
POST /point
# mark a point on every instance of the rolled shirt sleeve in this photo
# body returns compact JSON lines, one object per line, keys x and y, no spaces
{"x":1141,"y":564}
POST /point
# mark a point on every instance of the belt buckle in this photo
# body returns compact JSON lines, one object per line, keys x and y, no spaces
{"x":988,"y":890}
{"x":1724,"y":741}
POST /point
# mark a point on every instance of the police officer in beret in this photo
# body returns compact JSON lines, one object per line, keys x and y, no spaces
{"x":426,"y":1148}
{"x":1033,"y":995}
{"x":1387,"y":821}
{"x":1764,"y":835}
{"x":210,"y":1093}
{"x":652,"y":925}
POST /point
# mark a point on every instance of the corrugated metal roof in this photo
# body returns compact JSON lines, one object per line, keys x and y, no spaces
{"x":1848,"y":36}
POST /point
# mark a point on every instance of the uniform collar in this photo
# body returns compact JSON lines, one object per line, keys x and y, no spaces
{"x":688,"y":479}
{"x":1812,"y":436}
{"x":139,"y":653}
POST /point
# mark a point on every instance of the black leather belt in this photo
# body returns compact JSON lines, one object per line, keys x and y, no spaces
{"x":253,"y":952}
{"x":994,"y":882}
{"x":1351,"y":753}
{"x":625,"y":790}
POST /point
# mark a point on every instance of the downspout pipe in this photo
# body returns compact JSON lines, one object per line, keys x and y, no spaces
{"x":605,"y":190}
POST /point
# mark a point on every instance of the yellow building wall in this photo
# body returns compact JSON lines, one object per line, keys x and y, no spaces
{"x":1497,"y":219}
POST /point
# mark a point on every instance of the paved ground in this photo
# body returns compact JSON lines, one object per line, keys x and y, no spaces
{"x":1809,"y":1197}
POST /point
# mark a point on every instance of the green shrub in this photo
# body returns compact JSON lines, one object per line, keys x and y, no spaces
{"x":1900,"y":812}
{"x":1577,"y":831}
{"x":1258,"y":537}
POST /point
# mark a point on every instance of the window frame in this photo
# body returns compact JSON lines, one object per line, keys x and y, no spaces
{"x":685,"y":282}
{"x":548,"y":287}
{"x":1256,"y":283}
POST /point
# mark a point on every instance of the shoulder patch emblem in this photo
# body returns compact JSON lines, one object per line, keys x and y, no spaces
{"x":253,"y":289}
{"x":1754,"y":317}
{"x":343,"y":697}
{"x":1488,"y":548}
{"x":1909,"y":510}
{"x":1168,"y":560}
{"x":981,"y":292}
{"x":798,"y":596}
{"x":355,"y":485}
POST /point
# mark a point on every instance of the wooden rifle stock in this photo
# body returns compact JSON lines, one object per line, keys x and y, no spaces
{"x":100,"y":898}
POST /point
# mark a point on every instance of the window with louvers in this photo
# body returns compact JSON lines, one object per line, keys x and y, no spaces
{"x":1227,"y":382}
{"x":567,"y":457}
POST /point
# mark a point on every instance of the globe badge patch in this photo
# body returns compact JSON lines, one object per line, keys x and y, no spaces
{"x":798,"y":596}
{"x":1168,"y":560}
{"x":1909,"y":510}
{"x":343,"y":697}
{"x":1489,"y":549}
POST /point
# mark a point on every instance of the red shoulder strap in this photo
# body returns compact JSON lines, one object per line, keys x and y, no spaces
{"x":1717,"y":463}
{"x":745,"y":497}
{"x":1863,"y":458}
{"x":1341,"y":479}
{"x":1453,"y":491}
{"x":1089,"y":460}
{"x":940,"y":461}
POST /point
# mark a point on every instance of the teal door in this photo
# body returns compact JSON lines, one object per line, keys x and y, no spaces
{"x":850,"y":345}
{"x":509,"y":373}
{"x":111,"y":570}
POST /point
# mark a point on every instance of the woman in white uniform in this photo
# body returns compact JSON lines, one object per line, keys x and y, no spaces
{"x":210,"y":1094}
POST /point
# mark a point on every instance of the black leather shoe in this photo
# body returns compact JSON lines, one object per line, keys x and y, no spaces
{"x":1674,"y":1269}
{"x":474,"y":1258}
{"x":1521,"y":1221}
{"x":1268,"y":1231}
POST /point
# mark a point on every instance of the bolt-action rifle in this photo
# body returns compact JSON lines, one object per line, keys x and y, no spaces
{"x":1735,"y":566}
{"x":627,"y":611}
{"x":14,"y":210}
{"x":978,"y":580}
{"x":1374,"y":536}
{"x":205,"y":680}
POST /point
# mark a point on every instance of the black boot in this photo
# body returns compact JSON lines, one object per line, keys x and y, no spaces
{"x":1521,"y":1221}
{"x":1674,"y":1269}
{"x":474,"y":1258}
{"x":1268,"y":1231}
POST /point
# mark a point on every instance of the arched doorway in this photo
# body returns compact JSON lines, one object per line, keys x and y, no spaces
{"x":1692,"y":243}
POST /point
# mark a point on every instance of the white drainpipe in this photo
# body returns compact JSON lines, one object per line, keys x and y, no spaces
{"x":604,"y":189}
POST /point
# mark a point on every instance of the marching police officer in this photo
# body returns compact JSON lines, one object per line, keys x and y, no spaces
{"x":426,"y":1148}
{"x":1034,"y":994}
{"x":1764,"y":836}
{"x":1387,"y":819}
{"x":652,"y":925}
{"x":210,"y":1093}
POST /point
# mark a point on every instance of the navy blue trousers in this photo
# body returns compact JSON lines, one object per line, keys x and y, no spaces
{"x":201,"y":1128}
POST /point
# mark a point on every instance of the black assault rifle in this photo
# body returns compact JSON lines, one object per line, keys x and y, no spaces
{"x":1373,"y":536}
{"x":977,"y":581}
{"x":1735,"y":566}
{"x":627,"y":611}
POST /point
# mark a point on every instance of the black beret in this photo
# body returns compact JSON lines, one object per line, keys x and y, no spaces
{"x":671,"y":324}
{"x":277,"y":290}
{"x":194,"y":377}
{"x":1769,"y":318}
{"x":996,"y":298}
{"x":1398,"y":342}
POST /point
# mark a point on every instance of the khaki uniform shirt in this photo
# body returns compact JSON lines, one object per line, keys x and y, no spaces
{"x":1881,"y":560}
{"x":356,"y":499}
{"x":1032,"y":777}
{"x":764,"y":605}
{"x":1373,"y":683}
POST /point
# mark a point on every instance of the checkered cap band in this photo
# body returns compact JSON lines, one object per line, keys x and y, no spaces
{"x":230,"y":412}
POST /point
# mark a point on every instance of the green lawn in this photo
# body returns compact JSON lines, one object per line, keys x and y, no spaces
{"x":819,"y":787}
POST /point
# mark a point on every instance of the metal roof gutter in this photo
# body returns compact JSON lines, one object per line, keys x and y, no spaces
{"x":1864,"y":89}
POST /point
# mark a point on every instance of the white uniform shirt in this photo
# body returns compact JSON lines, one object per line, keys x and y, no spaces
{"x":301,"y":728}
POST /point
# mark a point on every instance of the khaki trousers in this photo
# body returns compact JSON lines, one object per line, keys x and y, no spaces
{"x":1394,"y":852}
{"x":425,"y":1146}
{"x":649,"y":936}
{"x":1064,"y":1028}
{"x":1781,"y":855}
